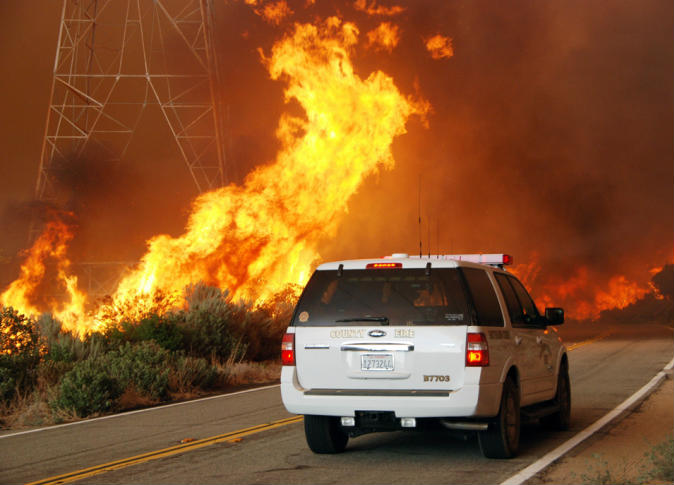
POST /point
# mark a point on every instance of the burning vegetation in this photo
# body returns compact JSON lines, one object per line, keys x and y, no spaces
{"x":221,"y":289}
{"x":255,"y":239}
{"x":262,"y":237}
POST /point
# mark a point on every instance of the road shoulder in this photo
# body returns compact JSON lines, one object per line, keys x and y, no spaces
{"x":620,"y":452}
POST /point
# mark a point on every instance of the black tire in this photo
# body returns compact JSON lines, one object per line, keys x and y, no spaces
{"x":324,"y":434}
{"x":561,"y":420}
{"x":502,"y":438}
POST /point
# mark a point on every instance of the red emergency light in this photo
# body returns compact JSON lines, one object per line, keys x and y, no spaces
{"x":383,"y":265}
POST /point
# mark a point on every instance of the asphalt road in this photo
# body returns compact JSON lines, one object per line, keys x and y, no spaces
{"x":603,"y":373}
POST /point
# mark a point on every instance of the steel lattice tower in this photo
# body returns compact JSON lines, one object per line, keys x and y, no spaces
{"x":116,"y":57}
{"x":113,"y":59}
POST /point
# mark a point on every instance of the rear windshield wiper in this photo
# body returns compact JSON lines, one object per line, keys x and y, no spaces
{"x":382,"y":320}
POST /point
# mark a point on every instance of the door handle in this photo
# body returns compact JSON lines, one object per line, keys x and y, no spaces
{"x":518,"y":340}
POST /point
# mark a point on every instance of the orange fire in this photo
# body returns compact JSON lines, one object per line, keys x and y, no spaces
{"x":580,"y":295}
{"x":257,"y":238}
{"x":51,"y":246}
{"x":373,"y":8}
{"x":384,"y":37}
{"x":440,"y":47}
{"x":273,"y":12}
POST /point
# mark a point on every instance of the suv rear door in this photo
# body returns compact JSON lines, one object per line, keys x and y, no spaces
{"x":382,"y":330}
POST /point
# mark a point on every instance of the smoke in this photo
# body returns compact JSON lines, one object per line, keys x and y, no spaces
{"x":550,"y":138}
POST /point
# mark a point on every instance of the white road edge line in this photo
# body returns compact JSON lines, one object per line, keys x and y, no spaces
{"x":528,"y":472}
{"x":47,"y":428}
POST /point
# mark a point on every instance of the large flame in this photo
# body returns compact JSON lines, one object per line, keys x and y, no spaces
{"x":51,"y":246}
{"x":257,"y":238}
{"x":580,"y":294}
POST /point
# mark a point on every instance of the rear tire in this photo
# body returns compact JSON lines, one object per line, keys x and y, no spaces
{"x":324,"y":434}
{"x":502,"y":438}
{"x":561,"y":420}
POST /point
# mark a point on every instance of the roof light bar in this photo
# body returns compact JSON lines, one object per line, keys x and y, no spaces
{"x":491,"y":259}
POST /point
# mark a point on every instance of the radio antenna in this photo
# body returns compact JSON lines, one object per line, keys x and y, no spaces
{"x":419,"y":208}
{"x":437,"y":236}
{"x":428,"y":223}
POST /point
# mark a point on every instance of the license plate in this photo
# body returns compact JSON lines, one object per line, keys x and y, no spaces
{"x":370,"y":362}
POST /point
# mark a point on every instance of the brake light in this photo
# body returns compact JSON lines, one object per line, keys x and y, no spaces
{"x":383,"y":265}
{"x":288,"y":349}
{"x":477,"y":350}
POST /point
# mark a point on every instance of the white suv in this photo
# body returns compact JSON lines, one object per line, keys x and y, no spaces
{"x":407,"y":342}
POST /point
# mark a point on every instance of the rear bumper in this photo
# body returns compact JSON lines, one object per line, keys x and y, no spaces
{"x":469,"y":401}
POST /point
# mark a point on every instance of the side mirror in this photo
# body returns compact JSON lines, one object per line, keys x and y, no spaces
{"x":554,"y":316}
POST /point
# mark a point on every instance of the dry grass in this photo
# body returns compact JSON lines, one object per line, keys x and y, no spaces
{"x":132,"y":399}
{"x":244,"y":373}
{"x":33,"y":410}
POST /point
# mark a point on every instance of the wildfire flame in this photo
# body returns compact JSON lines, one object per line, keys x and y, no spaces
{"x":440,"y":47}
{"x":50,"y":246}
{"x":385,"y":37}
{"x":257,"y":238}
{"x":273,"y":12}
{"x":373,"y":8}
{"x":581,"y":296}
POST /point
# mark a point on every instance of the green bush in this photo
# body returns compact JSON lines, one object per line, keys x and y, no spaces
{"x":88,"y":388}
{"x":19,"y":353}
{"x":144,"y":365}
{"x":191,"y":373}
{"x":162,"y":329}
{"x":7,"y":383}
{"x":209,"y":323}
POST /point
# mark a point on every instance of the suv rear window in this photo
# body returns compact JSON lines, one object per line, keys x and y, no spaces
{"x":399,"y":296}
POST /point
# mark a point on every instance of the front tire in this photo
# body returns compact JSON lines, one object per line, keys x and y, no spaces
{"x":561,"y":419}
{"x":324,"y":434}
{"x":502,"y":438}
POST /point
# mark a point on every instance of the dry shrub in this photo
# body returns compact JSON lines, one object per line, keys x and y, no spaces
{"x":263,"y":326}
{"x":244,"y":373}
{"x":29,"y":410}
{"x":131,"y":398}
{"x":191,"y":374}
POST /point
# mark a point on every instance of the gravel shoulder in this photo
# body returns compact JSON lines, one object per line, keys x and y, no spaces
{"x":619,"y":453}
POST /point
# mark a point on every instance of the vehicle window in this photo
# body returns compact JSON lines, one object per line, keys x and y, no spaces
{"x":512,"y":302}
{"x":484,"y":298}
{"x":531,"y":314}
{"x":403,"y":296}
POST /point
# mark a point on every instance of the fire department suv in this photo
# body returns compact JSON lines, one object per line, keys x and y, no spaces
{"x":412,"y":342}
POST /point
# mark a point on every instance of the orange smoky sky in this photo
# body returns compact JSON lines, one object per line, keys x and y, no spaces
{"x":549,"y":135}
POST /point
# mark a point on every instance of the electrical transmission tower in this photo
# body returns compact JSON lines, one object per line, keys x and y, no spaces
{"x":114,"y":58}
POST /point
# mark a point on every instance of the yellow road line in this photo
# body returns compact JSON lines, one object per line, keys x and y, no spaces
{"x":163,"y":453}
{"x":195,"y":445}
{"x":601,"y":336}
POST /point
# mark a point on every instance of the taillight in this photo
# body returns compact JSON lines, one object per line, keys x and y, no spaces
{"x":383,"y":265}
{"x":288,"y":349}
{"x":477,"y":350}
